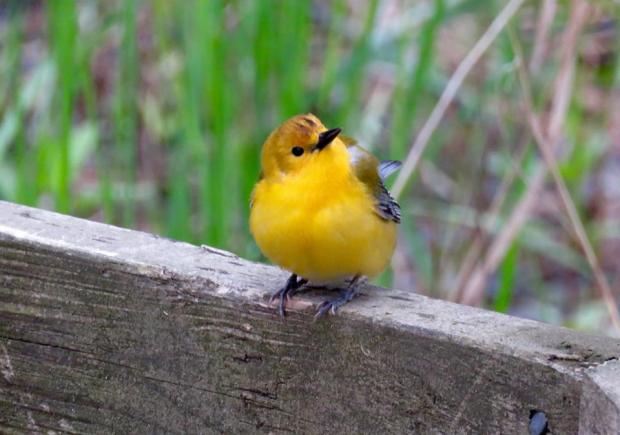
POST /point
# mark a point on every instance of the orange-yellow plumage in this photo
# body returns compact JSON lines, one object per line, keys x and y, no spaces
{"x":316,"y":214}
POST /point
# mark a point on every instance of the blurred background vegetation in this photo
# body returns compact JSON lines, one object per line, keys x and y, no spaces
{"x":151,"y":114}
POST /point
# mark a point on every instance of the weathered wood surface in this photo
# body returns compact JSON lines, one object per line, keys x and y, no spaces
{"x":103,"y":329}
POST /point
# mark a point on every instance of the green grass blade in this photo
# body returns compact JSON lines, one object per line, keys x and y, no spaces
{"x":507,"y":272}
{"x":125,"y":110}
{"x":406,"y":101}
{"x":62,"y":25}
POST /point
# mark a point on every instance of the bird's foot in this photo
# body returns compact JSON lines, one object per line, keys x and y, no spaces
{"x":346,"y":295}
{"x":292,"y":286}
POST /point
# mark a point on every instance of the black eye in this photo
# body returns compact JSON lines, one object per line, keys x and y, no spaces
{"x":297,"y":151}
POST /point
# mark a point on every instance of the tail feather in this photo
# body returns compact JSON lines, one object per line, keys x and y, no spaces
{"x":388,"y":167}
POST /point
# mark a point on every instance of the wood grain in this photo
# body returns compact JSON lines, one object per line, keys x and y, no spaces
{"x":103,"y":329}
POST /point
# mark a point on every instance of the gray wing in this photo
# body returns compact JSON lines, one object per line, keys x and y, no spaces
{"x":372,"y":173}
{"x":387,"y":207}
{"x":388,"y":167}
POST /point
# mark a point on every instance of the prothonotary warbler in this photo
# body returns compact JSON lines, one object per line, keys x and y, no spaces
{"x":321,"y":211}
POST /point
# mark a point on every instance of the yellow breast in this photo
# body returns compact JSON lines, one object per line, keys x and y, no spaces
{"x":321,"y":226}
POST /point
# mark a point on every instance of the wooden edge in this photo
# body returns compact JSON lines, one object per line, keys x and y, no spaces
{"x":227,"y":275}
{"x":210,"y":272}
{"x":600,"y":402}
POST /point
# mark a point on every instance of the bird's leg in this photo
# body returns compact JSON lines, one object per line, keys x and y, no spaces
{"x":346,"y":295}
{"x":284,"y":293}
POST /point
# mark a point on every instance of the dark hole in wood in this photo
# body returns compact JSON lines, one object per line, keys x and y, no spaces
{"x":539,"y":424}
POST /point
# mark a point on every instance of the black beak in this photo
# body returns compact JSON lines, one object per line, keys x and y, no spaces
{"x":326,"y":138}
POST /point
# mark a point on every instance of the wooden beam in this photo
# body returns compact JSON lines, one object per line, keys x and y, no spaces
{"x":105,"y":329}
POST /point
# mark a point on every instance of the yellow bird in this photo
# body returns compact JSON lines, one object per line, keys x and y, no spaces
{"x":321,"y":211}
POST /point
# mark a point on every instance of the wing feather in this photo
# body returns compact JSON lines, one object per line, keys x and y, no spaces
{"x":371,"y":172}
{"x":388,"y":167}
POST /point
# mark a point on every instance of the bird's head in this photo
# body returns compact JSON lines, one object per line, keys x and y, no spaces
{"x":294,"y":144}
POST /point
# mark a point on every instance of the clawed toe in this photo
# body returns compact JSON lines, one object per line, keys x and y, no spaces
{"x":282,"y":296}
{"x":323,"y":309}
{"x":345,"y":296}
{"x":292,"y":286}
{"x":332,"y":306}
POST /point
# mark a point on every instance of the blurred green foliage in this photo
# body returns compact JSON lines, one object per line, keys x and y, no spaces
{"x":151,"y":114}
